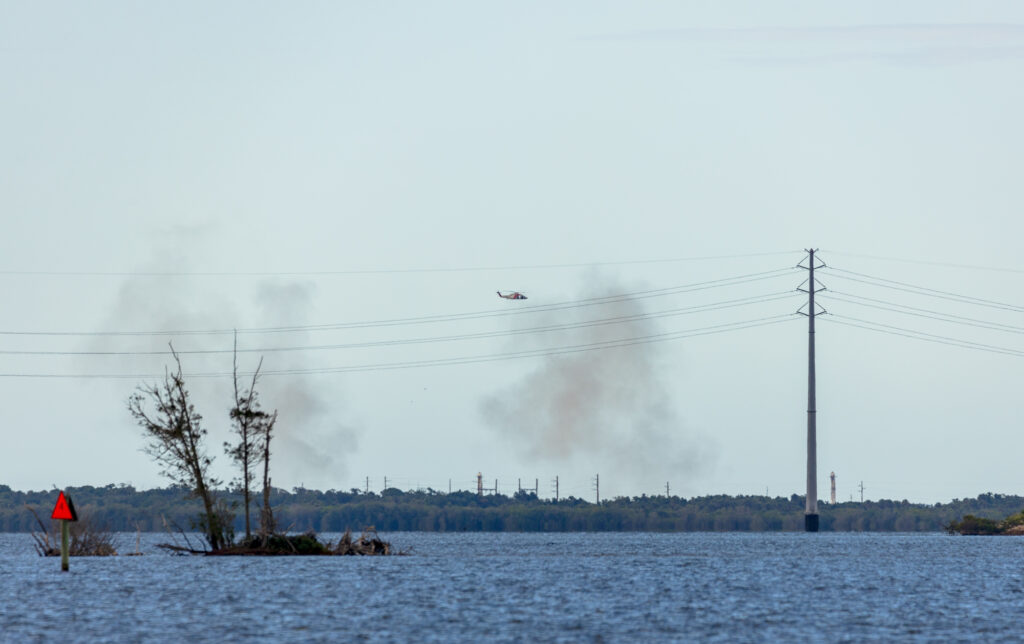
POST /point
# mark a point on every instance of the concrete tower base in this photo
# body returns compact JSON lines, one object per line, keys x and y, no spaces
{"x":810,"y":523}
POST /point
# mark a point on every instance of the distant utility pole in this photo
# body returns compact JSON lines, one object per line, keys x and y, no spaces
{"x":862,"y":491}
{"x":536,"y":488}
{"x":666,"y":490}
{"x":479,"y":484}
{"x":367,"y":484}
{"x":811,"y":507}
{"x":555,"y":483}
{"x":833,"y":477}
{"x":495,"y":487}
{"x":449,"y":486}
{"x":597,"y":488}
{"x":385,"y":482}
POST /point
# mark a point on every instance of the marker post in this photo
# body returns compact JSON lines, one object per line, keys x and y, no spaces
{"x":64,"y":512}
{"x":65,"y":538}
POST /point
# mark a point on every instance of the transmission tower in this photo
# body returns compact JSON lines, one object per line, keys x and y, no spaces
{"x":811,"y":507}
{"x":535,"y":489}
{"x":597,"y":488}
{"x":833,"y":477}
{"x":555,"y":484}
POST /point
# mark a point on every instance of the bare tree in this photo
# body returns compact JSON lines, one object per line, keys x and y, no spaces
{"x":176,"y":435}
{"x":254,"y":428}
{"x":248,"y":419}
{"x":265,"y":430}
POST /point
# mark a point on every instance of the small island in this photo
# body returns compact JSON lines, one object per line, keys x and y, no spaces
{"x":176,"y":438}
{"x":972,"y":525}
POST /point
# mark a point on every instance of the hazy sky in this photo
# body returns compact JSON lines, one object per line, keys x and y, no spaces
{"x":323,"y":164}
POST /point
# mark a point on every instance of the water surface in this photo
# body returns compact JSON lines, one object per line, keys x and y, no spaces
{"x":532,"y":587}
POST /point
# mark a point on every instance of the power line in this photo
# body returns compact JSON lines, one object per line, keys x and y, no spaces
{"x":384,"y":271}
{"x":519,"y":310}
{"x":716,"y":306}
{"x":606,"y":344}
{"x":924,"y":290}
{"x":1002,"y":269}
{"x":920,"y":335}
{"x":924,"y":313}
{"x":914,"y":335}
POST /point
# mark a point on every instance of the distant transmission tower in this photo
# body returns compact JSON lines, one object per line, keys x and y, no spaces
{"x":597,"y":488}
{"x":555,"y":483}
{"x":811,"y":507}
{"x":833,"y":477}
{"x":479,"y":484}
{"x":535,"y":488}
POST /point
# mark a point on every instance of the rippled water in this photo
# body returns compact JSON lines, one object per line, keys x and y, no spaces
{"x":533,"y":587}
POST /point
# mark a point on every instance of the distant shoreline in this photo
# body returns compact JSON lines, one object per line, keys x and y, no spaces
{"x":122,"y":508}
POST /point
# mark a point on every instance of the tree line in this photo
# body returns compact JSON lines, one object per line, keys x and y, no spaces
{"x":176,"y":436}
{"x":123,"y":508}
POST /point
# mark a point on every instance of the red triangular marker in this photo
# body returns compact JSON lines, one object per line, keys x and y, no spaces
{"x":64,"y":509}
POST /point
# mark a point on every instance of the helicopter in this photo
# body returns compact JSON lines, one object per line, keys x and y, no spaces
{"x":514,"y":295}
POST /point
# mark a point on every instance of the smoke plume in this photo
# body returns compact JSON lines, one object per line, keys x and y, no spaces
{"x":610,"y":404}
{"x":311,"y":443}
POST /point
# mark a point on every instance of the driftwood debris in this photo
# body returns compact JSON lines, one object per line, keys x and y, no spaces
{"x":86,"y":539}
{"x":368,"y":543}
{"x":138,"y":543}
{"x":307,"y":544}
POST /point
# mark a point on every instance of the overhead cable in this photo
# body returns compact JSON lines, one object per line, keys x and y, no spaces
{"x":920,"y":335}
{"x":384,"y":271}
{"x":549,"y":351}
{"x":921,"y":290}
{"x":895,"y":307}
{"x":1001,"y":269}
{"x":715,"y":306}
{"x":429,"y":319}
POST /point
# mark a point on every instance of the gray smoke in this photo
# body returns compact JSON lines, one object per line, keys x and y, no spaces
{"x":172,"y":303}
{"x":313,"y":443}
{"x":614,"y":404}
